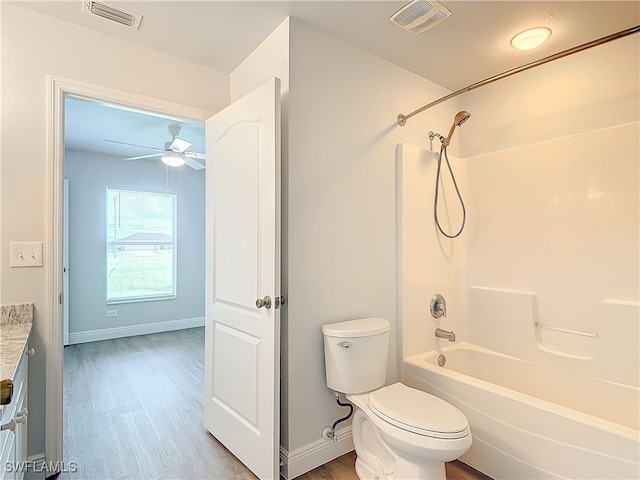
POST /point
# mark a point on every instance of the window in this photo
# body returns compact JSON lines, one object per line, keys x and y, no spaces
{"x":141,"y":246}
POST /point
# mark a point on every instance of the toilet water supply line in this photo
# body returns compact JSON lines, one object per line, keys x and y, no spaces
{"x":330,"y":433}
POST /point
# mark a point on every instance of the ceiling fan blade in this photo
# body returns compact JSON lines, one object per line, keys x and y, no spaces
{"x":132,"y":144}
{"x":199,"y":156}
{"x":179,"y":145}
{"x":196,"y":165}
{"x":140,"y":157}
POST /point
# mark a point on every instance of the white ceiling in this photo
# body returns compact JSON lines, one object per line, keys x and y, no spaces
{"x":469,"y":46}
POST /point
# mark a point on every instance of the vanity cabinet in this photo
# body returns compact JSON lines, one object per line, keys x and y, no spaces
{"x":13,"y":436}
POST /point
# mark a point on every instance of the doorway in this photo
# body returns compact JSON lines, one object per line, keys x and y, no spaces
{"x":135,"y":223}
{"x":59,"y":90}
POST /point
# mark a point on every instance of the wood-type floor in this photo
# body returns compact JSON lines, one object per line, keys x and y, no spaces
{"x":133,"y":409}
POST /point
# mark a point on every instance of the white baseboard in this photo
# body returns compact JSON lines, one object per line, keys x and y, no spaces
{"x":305,"y":459}
{"x":132,"y":330}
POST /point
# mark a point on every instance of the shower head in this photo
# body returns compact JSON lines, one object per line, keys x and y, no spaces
{"x":460,"y":118}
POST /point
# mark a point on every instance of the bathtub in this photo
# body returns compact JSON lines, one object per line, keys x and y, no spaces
{"x":530,"y":423}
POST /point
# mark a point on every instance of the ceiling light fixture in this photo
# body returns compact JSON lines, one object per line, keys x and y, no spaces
{"x":531,"y":38}
{"x":173,"y":159}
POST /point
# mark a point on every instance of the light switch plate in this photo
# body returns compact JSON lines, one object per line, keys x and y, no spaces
{"x":25,"y":254}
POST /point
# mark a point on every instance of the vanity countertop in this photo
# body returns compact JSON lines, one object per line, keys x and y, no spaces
{"x":13,"y":342}
{"x":16,"y":321}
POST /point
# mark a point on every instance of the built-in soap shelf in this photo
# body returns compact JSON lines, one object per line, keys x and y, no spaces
{"x":616,"y":333}
{"x":566,"y":330}
{"x":507,"y":321}
{"x":566,"y":342}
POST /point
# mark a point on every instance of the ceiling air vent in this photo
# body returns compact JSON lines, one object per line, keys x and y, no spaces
{"x":420,"y":15}
{"x":113,"y":13}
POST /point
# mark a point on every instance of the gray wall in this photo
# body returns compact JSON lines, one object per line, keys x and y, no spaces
{"x":89,"y":174}
{"x":341,"y":233}
{"x":338,"y":206}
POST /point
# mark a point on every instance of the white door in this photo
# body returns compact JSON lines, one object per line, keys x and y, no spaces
{"x":242,"y":345}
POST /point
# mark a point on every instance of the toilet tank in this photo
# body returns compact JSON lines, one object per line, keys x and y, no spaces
{"x":355,"y":354}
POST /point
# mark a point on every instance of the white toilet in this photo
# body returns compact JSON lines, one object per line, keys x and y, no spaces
{"x":398,"y":432}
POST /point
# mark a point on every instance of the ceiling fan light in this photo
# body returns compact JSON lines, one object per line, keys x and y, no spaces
{"x":172,"y":159}
{"x":531,"y":38}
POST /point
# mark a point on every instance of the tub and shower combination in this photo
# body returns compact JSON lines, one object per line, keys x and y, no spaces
{"x":523,"y":424}
{"x":540,"y":412}
{"x":548,"y":393}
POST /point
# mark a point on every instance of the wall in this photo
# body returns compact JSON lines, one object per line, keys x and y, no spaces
{"x":550,"y":180}
{"x":343,"y":103}
{"x":271,"y":59}
{"x":89,"y":174}
{"x":338,"y":208}
{"x":34,"y":46}
{"x":555,"y":202}
{"x":569,"y":168}
{"x":428,"y":262}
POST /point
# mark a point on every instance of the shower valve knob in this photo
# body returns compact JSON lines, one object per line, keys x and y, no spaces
{"x":438,"y":306}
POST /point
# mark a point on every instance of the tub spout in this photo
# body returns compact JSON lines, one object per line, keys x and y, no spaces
{"x":449,"y":335}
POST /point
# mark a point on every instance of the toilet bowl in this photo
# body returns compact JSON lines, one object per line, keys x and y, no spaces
{"x":398,"y":432}
{"x":418,"y":431}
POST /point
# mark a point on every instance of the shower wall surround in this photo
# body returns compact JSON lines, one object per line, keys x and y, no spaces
{"x":552,"y":162}
{"x":549,"y":260}
{"x":559,"y":219}
{"x":428,"y":263}
{"x":547,"y":269}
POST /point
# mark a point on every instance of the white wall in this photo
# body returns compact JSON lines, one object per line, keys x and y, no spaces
{"x":89,"y":174}
{"x":343,"y":103}
{"x":428,"y":262}
{"x":553,"y":233}
{"x":554,"y":196}
{"x":584,"y":92}
{"x":271,"y":59}
{"x":338,"y":212}
{"x":34,"y":46}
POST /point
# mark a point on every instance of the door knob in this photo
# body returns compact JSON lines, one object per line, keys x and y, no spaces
{"x":264,"y":302}
{"x":10,"y":425}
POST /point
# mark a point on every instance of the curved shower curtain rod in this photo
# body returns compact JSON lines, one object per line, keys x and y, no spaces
{"x":402,"y":119}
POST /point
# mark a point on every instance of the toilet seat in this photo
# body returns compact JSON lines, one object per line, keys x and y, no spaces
{"x":418,"y":412}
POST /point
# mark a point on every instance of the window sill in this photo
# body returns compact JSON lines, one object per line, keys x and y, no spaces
{"x":141,"y":299}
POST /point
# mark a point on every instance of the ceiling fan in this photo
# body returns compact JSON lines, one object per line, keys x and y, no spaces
{"x":174,"y":153}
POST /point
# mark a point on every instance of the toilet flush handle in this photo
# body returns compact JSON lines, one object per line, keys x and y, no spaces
{"x":345,"y":344}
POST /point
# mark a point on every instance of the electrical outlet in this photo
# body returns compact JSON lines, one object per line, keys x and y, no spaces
{"x":112,"y":313}
{"x":25,"y":254}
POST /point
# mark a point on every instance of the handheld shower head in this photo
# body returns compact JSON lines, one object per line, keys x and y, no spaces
{"x":459,"y":119}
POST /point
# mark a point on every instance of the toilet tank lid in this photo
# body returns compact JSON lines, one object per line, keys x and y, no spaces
{"x":360,"y":327}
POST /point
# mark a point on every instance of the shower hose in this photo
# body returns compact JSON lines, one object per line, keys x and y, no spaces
{"x":455,"y":184}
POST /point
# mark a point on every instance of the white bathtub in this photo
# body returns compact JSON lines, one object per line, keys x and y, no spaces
{"x":530,"y":423}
